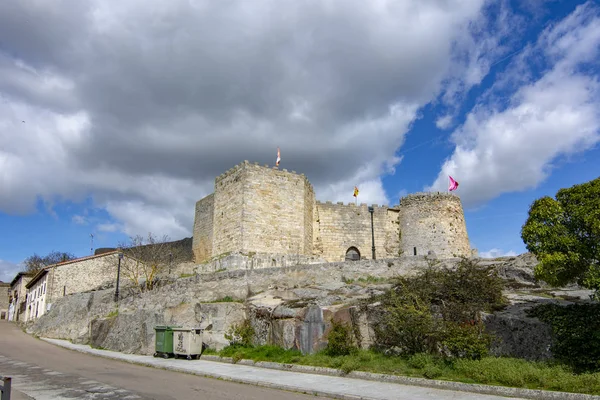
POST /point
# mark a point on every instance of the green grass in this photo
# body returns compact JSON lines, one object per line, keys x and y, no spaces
{"x":183,"y":275}
{"x":112,"y":314}
{"x":490,"y":370}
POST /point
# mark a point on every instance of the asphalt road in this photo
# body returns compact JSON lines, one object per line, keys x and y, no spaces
{"x":45,"y":371}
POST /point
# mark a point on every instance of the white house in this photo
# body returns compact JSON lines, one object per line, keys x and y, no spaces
{"x":36,"y":295}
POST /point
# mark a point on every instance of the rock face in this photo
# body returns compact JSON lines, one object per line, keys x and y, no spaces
{"x":289,"y":307}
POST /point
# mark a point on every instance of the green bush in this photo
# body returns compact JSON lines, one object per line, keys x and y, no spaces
{"x":240,"y":334}
{"x":437,"y":312}
{"x":466,"y":341}
{"x":576,"y":330}
{"x":340,"y":341}
{"x":406,"y":325}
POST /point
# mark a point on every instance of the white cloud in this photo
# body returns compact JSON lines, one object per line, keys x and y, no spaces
{"x":79,"y":220}
{"x":139,"y":105}
{"x":493,"y":253}
{"x":513,"y":149}
{"x":109,"y":227}
{"x":8,"y":270}
{"x":444,"y":122}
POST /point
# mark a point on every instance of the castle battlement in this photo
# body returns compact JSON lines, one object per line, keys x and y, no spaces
{"x":427,"y":197}
{"x":266,"y":169}
{"x":328,"y":203}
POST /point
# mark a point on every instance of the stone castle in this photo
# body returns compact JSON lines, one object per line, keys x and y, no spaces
{"x":261,"y":210}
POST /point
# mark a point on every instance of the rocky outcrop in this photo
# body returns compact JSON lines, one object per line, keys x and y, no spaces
{"x":290,"y":307}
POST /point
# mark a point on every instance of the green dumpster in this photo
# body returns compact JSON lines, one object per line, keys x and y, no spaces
{"x":164,"y":341}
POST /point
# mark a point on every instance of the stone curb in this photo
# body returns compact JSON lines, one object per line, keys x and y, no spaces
{"x":405,"y":380}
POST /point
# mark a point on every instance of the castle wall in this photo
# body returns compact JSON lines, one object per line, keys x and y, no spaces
{"x":202,"y":241}
{"x":257,"y":209}
{"x":433,"y":222}
{"x":276,"y":207}
{"x":339,"y":227}
{"x":227,"y":214}
{"x":309,"y":212}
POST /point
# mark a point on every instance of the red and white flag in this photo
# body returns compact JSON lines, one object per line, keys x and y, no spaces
{"x":452,"y":185}
{"x":278,"y":157}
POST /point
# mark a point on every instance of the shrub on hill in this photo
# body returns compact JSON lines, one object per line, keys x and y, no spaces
{"x":576,"y":330}
{"x":438,"y":312}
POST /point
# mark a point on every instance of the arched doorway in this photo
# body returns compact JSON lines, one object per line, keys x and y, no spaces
{"x":352,"y":254}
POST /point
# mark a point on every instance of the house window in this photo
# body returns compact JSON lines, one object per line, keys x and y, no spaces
{"x":352,"y":254}
{"x":44,"y":287}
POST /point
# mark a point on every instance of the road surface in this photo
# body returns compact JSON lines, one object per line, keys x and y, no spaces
{"x":45,"y":371}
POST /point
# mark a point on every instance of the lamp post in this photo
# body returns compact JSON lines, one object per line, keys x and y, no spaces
{"x":371,"y":210}
{"x":118,"y":276}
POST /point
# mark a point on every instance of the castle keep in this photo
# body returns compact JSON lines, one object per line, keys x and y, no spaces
{"x":257,"y":209}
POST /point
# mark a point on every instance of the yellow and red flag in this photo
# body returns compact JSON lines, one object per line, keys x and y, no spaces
{"x":355,"y":191}
{"x":278,"y":157}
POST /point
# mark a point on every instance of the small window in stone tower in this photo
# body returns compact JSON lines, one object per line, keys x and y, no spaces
{"x":352,"y":254}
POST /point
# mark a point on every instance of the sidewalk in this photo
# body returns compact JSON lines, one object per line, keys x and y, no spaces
{"x":324,"y":385}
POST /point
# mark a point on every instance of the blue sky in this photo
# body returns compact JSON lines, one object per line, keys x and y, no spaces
{"x":116,"y":118}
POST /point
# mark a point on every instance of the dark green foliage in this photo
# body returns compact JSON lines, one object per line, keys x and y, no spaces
{"x":241,"y":334}
{"x":438,"y":312}
{"x":564,"y":235}
{"x":576,"y":331}
{"x":340,"y":341}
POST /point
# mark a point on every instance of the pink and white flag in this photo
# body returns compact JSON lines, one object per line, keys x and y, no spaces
{"x":278,"y":157}
{"x":453,"y":185}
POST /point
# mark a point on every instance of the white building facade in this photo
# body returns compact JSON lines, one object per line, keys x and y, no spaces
{"x":36,"y":295}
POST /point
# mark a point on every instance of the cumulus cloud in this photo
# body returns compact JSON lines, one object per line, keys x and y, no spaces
{"x":140,"y":104}
{"x":8,"y":271}
{"x":493,"y":253}
{"x":444,"y":122}
{"x":508,"y":145}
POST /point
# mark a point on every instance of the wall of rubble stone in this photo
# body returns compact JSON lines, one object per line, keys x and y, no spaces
{"x":338,"y":227}
{"x":227,"y":214}
{"x":276,"y":204}
{"x":203,"y":229}
{"x":83,"y":275}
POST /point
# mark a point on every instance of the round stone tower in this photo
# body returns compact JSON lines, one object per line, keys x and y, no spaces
{"x":433,"y":222}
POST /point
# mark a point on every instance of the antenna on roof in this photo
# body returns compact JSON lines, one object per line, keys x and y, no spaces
{"x":92,"y":244}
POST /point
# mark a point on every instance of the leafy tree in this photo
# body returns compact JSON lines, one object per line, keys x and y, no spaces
{"x":564,"y":235}
{"x":35,"y":263}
